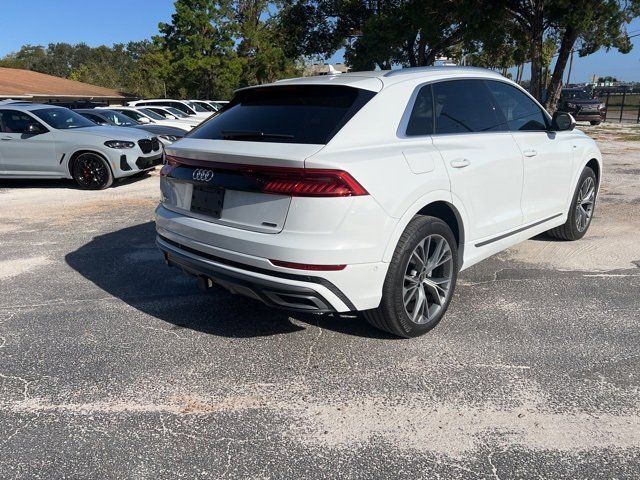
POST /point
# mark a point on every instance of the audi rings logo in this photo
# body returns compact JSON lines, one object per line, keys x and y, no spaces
{"x":202,"y":175}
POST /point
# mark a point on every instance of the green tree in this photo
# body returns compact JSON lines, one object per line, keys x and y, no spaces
{"x":200,"y":40}
{"x":379,"y":33}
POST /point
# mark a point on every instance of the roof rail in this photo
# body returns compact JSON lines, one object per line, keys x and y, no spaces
{"x":410,"y":70}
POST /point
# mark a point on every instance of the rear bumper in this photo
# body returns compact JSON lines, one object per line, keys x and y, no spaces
{"x":293,"y":292}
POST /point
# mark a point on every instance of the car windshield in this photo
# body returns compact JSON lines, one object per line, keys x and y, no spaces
{"x":197,"y":107}
{"x":151,"y":114}
{"x":176,"y":112}
{"x":206,"y":106}
{"x":576,"y":94}
{"x":310,"y":114}
{"x":62,"y":118}
{"x":117,"y":118}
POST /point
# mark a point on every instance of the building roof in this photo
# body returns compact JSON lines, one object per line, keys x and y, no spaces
{"x":25,"y":84}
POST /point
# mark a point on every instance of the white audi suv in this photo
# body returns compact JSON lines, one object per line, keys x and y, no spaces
{"x":370,"y":191}
{"x":44,"y":141}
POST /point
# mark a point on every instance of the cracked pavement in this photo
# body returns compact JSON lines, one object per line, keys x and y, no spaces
{"x":114,"y":366}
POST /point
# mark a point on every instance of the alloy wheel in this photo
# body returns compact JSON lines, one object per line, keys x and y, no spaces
{"x":427,"y":279}
{"x":584,"y":203}
{"x":91,"y":171}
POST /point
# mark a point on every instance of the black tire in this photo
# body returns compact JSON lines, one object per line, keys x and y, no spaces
{"x":392,"y":315}
{"x":595,"y":122}
{"x":91,"y":172}
{"x":571,"y":230}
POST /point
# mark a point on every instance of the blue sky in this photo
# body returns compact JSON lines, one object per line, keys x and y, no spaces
{"x":97,"y":22}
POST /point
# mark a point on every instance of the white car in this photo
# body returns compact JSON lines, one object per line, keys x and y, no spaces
{"x":196,"y":111}
{"x":145,"y":116}
{"x":370,"y":191}
{"x":43,"y":141}
{"x":207,"y":105}
{"x":173,"y":114}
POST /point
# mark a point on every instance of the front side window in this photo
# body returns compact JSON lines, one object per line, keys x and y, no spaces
{"x":182,"y":107}
{"x":12,"y":121}
{"x":119,"y":119}
{"x":309,"y":114}
{"x":197,"y":107}
{"x":160,"y":112}
{"x":421,"y":120}
{"x":62,"y":118}
{"x":151,"y":114}
{"x":176,"y":112}
{"x":465,"y":106}
{"x":94,"y":118}
{"x":522,"y":113}
{"x":132,"y":114}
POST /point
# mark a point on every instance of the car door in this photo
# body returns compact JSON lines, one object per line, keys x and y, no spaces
{"x":22,"y":152}
{"x":482,"y":159}
{"x":547,"y":155}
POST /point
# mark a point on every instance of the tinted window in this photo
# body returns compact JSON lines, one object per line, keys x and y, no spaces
{"x":463,"y":106}
{"x":421,"y":120}
{"x":62,"y":118}
{"x":180,"y":106}
{"x":12,"y":121}
{"x":118,"y":119}
{"x":151,"y":114}
{"x":521,"y":112}
{"x":160,"y":112}
{"x":94,"y":118}
{"x":310,"y":114}
{"x":132,"y":114}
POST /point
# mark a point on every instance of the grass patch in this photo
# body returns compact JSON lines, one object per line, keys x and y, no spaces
{"x":629,"y":137}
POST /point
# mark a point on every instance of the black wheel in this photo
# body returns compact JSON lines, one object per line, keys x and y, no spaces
{"x":595,"y":122}
{"x":91,"y":172}
{"x":581,"y":209}
{"x":420,"y":281}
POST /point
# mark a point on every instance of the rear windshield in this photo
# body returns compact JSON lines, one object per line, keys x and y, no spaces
{"x":310,"y":114}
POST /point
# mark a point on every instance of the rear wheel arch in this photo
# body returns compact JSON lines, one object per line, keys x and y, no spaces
{"x":439,"y":205}
{"x":449,"y":214}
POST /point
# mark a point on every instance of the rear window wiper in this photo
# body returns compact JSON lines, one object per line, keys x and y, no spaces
{"x":231,"y":134}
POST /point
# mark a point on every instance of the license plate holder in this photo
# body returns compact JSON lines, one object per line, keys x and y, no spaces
{"x":207,"y":200}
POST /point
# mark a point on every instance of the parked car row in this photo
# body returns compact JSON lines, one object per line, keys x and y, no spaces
{"x":45,"y":141}
{"x":94,"y":145}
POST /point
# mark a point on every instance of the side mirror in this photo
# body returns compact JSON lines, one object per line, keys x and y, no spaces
{"x":35,"y":129}
{"x":144,"y":120}
{"x":562,"y":121}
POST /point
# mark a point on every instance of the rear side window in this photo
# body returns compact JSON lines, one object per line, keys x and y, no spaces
{"x":421,"y":120}
{"x":466,"y":106}
{"x":310,"y":114}
{"x":521,"y":112}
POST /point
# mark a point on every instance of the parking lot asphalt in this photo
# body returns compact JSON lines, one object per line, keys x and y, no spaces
{"x":113,"y":365}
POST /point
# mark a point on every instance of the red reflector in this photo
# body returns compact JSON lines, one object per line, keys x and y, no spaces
{"x":305,"y":266}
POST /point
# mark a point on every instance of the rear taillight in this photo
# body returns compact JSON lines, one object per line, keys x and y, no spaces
{"x":297,"y":182}
{"x":305,"y":182}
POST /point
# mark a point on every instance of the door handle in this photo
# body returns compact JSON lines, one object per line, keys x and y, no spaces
{"x":460,"y":163}
{"x":530,"y":153}
{"x":5,"y":139}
